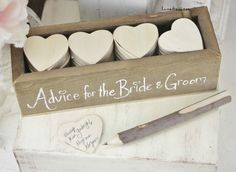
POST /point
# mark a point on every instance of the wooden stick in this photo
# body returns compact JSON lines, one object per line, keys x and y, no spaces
{"x":170,"y":120}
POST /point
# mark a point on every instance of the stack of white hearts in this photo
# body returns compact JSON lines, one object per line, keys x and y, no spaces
{"x":130,"y":43}
{"x":87,"y":49}
{"x":135,"y":42}
{"x":184,"y":36}
{"x":46,"y":54}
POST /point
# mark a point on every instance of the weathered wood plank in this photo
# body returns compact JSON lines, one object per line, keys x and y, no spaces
{"x":206,"y":28}
{"x":200,"y":71}
{"x":17,"y":63}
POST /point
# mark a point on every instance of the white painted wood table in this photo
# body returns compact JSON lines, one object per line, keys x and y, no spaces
{"x":188,"y":147}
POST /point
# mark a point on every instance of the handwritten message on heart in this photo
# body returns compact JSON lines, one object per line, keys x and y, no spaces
{"x":83,"y":135}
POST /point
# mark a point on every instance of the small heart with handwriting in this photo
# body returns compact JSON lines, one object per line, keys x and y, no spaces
{"x":45,"y":54}
{"x":83,"y":135}
{"x":87,"y":49}
{"x":184,"y":36}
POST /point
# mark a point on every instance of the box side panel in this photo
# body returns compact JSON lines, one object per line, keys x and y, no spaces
{"x":138,"y":79}
{"x":110,"y":24}
{"x":17,"y":62}
{"x":206,"y":28}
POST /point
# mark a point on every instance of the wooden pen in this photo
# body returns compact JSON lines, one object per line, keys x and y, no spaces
{"x":170,"y":120}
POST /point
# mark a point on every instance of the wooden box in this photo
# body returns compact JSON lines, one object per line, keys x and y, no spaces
{"x":119,"y":81}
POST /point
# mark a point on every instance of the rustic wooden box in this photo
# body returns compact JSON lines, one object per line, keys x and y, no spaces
{"x":111,"y":82}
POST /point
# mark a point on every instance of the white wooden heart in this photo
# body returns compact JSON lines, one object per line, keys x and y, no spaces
{"x":137,"y":40}
{"x":83,"y":135}
{"x":184,"y":36}
{"x":44,"y":53}
{"x":91,"y":48}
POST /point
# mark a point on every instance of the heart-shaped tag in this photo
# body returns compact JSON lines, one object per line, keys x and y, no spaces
{"x":83,"y":135}
{"x":43,"y":54}
{"x":139,"y":40}
{"x":91,"y":48}
{"x":184,"y":36}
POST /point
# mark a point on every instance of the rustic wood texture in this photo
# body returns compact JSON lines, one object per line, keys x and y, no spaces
{"x":17,"y":63}
{"x":175,"y":118}
{"x":187,"y":66}
{"x":206,"y":28}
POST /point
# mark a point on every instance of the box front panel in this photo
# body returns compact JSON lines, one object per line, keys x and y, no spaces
{"x":119,"y":81}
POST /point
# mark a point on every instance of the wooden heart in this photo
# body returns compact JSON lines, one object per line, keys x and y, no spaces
{"x":43,"y":54}
{"x":137,"y":40}
{"x":84,"y":134}
{"x":91,"y":48}
{"x":184,"y":36}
